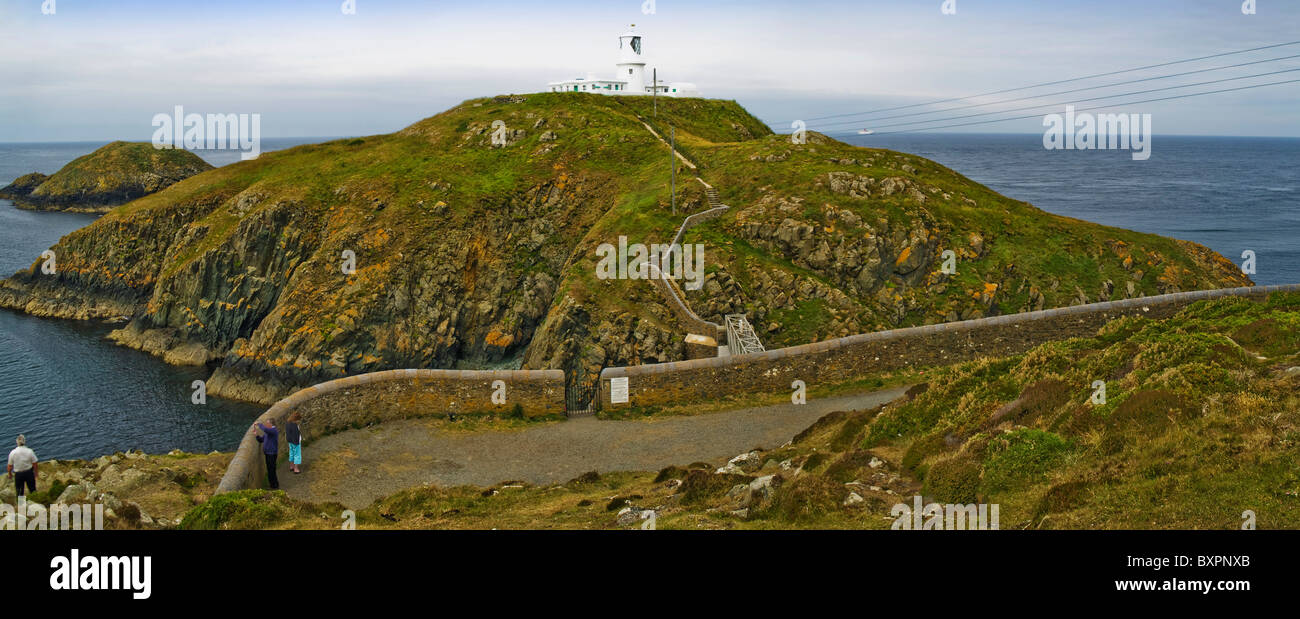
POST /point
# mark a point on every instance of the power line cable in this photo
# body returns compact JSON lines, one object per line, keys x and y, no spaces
{"x":1095,"y":107}
{"x":1060,"y":92}
{"x":1073,"y":79}
{"x":1123,"y":94}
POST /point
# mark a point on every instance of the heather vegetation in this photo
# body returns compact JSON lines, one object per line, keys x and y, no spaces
{"x":1200,"y":423}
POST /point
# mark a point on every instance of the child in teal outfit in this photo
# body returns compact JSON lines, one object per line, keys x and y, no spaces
{"x":293,"y":436}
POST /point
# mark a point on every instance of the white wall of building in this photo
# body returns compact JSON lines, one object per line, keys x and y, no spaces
{"x":630,"y":75}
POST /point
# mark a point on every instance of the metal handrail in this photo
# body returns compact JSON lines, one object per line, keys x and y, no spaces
{"x":741,"y":338}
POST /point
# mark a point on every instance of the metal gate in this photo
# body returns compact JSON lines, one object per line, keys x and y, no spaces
{"x":580,"y":397}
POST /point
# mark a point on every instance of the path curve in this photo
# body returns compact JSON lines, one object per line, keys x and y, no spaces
{"x":356,"y":467}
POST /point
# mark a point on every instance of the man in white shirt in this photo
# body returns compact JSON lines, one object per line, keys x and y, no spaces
{"x":22,"y":466}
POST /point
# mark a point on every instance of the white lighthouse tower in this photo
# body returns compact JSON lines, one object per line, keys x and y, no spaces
{"x":631,"y":65}
{"x":630,"y":77}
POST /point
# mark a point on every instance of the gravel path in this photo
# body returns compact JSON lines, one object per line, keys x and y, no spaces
{"x":356,"y":467}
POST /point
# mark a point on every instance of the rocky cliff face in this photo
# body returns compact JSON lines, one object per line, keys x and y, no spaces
{"x":114,"y":174}
{"x":23,"y":185}
{"x":470,"y":240}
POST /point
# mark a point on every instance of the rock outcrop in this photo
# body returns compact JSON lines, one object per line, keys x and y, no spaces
{"x":112,"y":175}
{"x":133,"y":490}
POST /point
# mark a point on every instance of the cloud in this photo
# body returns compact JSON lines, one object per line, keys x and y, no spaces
{"x":308,"y":68}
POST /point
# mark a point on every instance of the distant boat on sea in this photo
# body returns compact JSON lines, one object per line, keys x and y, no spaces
{"x":865,"y":132}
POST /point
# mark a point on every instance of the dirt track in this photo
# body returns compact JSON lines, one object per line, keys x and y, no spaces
{"x":358,"y":466}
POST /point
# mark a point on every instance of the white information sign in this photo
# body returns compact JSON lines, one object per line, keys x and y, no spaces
{"x":618,"y":390}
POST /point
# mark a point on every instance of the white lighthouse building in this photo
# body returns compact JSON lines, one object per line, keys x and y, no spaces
{"x":630,"y":77}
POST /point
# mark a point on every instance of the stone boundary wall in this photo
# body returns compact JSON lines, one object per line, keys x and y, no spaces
{"x":394,"y":394}
{"x":398,"y":394}
{"x":845,"y":358}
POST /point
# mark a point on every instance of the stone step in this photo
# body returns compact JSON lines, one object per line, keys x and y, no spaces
{"x":711,"y":195}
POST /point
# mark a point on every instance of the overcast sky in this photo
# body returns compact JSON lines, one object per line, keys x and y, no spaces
{"x":99,"y":69}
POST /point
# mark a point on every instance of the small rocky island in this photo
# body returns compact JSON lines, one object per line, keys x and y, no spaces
{"x":113,"y":175}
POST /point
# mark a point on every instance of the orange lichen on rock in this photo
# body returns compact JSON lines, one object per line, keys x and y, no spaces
{"x":498,"y":339}
{"x":903,"y":255}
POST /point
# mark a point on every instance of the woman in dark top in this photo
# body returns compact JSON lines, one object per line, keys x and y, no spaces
{"x":270,"y":448}
{"x":293,"y":436}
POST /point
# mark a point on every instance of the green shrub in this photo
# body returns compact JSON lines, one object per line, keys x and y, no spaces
{"x":130,"y":512}
{"x":1059,"y":498}
{"x":590,"y":477}
{"x":954,"y":480}
{"x":1112,"y":443}
{"x":815,"y":461}
{"x":1021,"y":456}
{"x":806,"y":498}
{"x":1192,"y":379}
{"x":1150,"y":410}
{"x":1288,"y":300}
{"x":1232,"y":308}
{"x":671,"y":472}
{"x":420,"y":499}
{"x":629,"y":412}
{"x":244,"y":509}
{"x":909,"y":419}
{"x":1174,"y":349}
{"x":1075,"y":420}
{"x":700,"y":486}
{"x":822,"y":423}
{"x":916,"y":390}
{"x":1048,"y":359}
{"x":48,"y":495}
{"x":1122,"y":328}
{"x":848,"y":467}
{"x":1269,"y":337}
{"x":1043,"y":397}
{"x":1036,"y":400}
{"x":852,"y":427}
{"x":922,"y":448}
